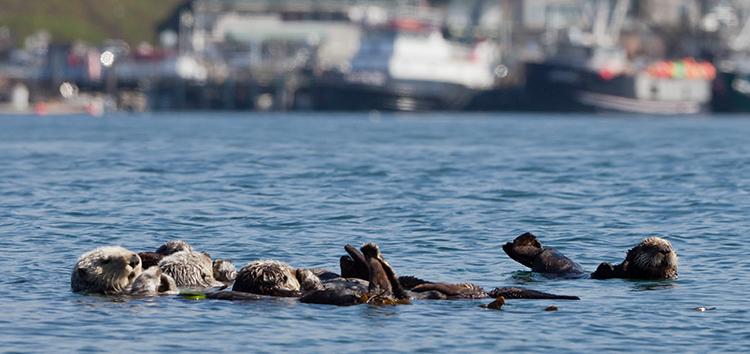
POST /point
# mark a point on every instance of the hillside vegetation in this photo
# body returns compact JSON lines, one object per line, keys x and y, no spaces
{"x":89,"y":20}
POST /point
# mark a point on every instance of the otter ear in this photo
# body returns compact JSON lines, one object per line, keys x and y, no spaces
{"x":81,"y":272}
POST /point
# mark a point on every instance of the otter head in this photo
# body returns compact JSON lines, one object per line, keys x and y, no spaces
{"x":524,"y":249}
{"x":105,"y":270}
{"x":153,"y":282}
{"x":267,"y":277}
{"x":224,"y":270}
{"x":652,"y":258}
{"x":190,"y":269}
{"x":307,"y":279}
{"x":174,"y":246}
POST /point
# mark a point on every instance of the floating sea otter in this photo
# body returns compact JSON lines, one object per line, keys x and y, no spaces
{"x":653,"y":258}
{"x":189,"y":268}
{"x":153,"y":282}
{"x":117,"y":271}
{"x":527,"y":250}
{"x":355,"y":266}
{"x":382,"y":285}
{"x":273,"y":278}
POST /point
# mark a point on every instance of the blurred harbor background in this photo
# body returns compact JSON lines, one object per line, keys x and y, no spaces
{"x":642,"y":56}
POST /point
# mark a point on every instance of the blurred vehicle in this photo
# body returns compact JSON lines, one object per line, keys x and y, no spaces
{"x":408,"y":65}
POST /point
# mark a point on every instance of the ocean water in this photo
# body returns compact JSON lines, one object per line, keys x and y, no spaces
{"x":439,"y":194}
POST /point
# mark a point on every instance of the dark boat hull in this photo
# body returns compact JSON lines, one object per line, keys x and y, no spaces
{"x":556,"y":87}
{"x":335,"y":92}
{"x":731,"y":92}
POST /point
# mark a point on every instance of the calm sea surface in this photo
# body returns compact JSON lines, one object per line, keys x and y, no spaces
{"x":439,"y":193}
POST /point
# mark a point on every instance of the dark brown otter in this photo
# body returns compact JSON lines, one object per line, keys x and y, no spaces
{"x":354,"y":266}
{"x":383,"y":279}
{"x":150,"y":259}
{"x":382,"y":286}
{"x":653,"y":258}
{"x":527,"y":250}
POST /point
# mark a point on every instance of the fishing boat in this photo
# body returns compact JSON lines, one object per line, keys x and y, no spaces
{"x":407,"y":65}
{"x":595,"y":72}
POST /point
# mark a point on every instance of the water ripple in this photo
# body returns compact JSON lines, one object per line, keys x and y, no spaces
{"x":439,"y":194}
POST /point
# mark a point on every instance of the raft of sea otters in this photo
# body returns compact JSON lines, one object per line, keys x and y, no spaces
{"x":365,"y":276}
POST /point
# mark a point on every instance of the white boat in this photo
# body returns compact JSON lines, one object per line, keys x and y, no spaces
{"x":409,"y":66}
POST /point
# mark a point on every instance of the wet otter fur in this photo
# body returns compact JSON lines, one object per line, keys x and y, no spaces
{"x":149,"y":259}
{"x":190,"y":269}
{"x":224,"y":271}
{"x":355,"y":266}
{"x":426,"y":290}
{"x":653,"y":259}
{"x":174,"y":246}
{"x":527,"y":250}
{"x":381,"y":287}
{"x":383,"y":279}
{"x":105,"y":270}
{"x":274,"y":278}
{"x":153,"y":282}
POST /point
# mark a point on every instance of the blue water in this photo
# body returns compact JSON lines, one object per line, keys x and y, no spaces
{"x":439,"y":193}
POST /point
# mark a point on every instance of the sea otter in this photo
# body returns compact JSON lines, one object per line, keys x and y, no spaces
{"x":527,"y":250}
{"x":356,"y":266}
{"x":173,"y":246}
{"x":653,"y":258}
{"x":190,"y":269}
{"x":153,"y":282}
{"x":105,"y":270}
{"x":382,"y":286}
{"x":224,"y":271}
{"x":274,"y":278}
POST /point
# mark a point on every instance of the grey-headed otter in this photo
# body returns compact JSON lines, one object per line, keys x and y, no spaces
{"x":117,"y":271}
{"x":105,"y":270}
{"x":189,"y":268}
{"x":653,"y":258}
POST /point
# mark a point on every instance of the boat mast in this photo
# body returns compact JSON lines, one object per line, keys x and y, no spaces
{"x":607,"y":30}
{"x":618,"y":19}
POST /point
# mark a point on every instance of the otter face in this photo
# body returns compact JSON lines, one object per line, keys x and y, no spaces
{"x":524,"y":249}
{"x":174,"y":246}
{"x":224,"y":270}
{"x":308,"y":280}
{"x":267,"y":278}
{"x":153,"y":282}
{"x":105,"y":270}
{"x":190,"y":269}
{"x":653,"y":258}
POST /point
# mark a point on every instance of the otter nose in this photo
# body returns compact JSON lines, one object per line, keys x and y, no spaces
{"x":134,"y":261}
